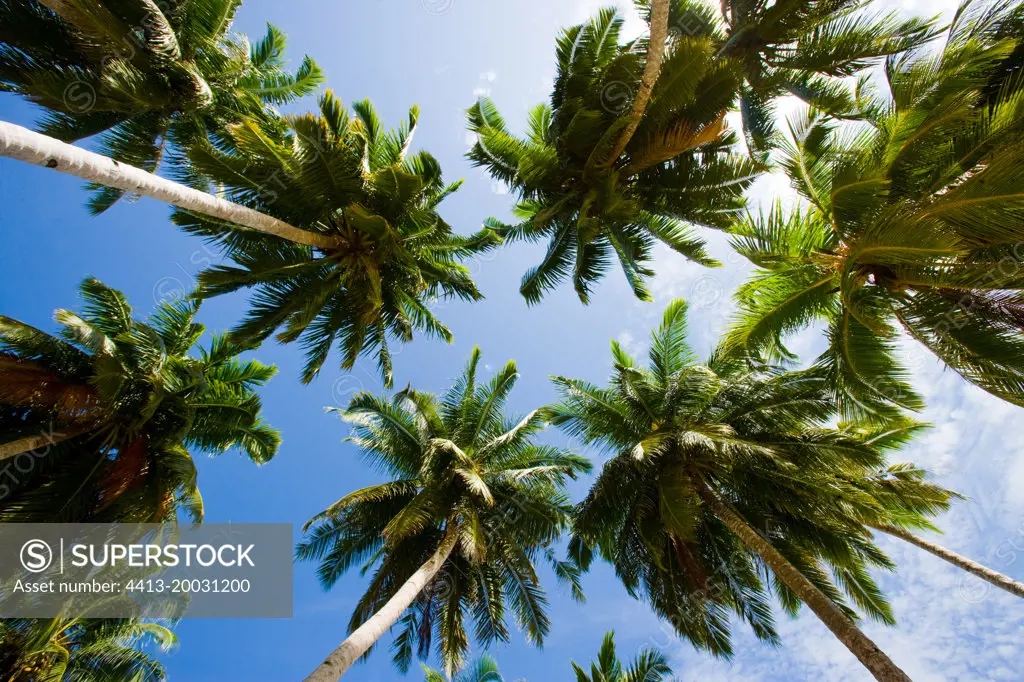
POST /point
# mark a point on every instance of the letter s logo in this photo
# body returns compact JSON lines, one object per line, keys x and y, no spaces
{"x":36,"y":556}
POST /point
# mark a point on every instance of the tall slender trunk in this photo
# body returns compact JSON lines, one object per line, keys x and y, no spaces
{"x":998,"y":579}
{"x":360,"y":641}
{"x":655,"y":56}
{"x":23,"y":144}
{"x":33,"y":443}
{"x":866,"y":651}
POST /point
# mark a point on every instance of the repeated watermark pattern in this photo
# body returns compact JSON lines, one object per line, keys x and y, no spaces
{"x":437,"y":7}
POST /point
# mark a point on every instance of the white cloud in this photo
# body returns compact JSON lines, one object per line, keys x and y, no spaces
{"x":630,"y":343}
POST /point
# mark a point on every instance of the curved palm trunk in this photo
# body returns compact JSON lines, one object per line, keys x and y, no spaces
{"x":360,"y":641}
{"x":998,"y":579}
{"x":655,"y":56}
{"x":23,"y":144}
{"x":31,"y":443}
{"x":866,"y":651}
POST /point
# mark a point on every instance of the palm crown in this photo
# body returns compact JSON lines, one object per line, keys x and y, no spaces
{"x":692,"y":437}
{"x":146,"y":73}
{"x":914,"y":221}
{"x":119,"y":401}
{"x":460,"y":470}
{"x":346,"y":179}
{"x":649,"y":665}
{"x":82,"y":649}
{"x":677,"y":167}
{"x":483,"y":669}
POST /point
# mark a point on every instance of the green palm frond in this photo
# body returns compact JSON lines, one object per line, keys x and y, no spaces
{"x":649,"y":665}
{"x":83,"y":649}
{"x":914,"y":223}
{"x":191,"y":75}
{"x":806,"y":49}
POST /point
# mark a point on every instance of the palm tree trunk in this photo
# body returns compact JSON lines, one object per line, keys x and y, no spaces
{"x":655,"y":56}
{"x":360,"y":641}
{"x":30,"y":443}
{"x":23,"y":144}
{"x":998,"y":579}
{"x":866,"y":651}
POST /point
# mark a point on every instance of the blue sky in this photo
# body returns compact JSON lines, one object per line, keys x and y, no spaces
{"x":441,"y":54}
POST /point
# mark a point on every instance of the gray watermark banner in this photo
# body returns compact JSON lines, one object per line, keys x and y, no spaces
{"x":215,"y":570}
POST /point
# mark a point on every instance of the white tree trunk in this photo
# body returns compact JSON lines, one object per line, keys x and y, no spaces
{"x":23,"y":144}
{"x":360,"y":641}
{"x":652,"y":69}
{"x":987,"y":574}
{"x":845,"y":630}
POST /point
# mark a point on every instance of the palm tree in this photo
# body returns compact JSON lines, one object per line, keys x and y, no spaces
{"x":483,"y":669}
{"x":142,"y":73}
{"x":369,"y":256}
{"x":800,"y":47}
{"x":105,"y":413}
{"x":471,"y":503}
{"x":601,"y":183}
{"x":913,"y":222}
{"x":649,"y":665}
{"x":387,"y":253}
{"x":81,"y":650}
{"x":701,"y":450}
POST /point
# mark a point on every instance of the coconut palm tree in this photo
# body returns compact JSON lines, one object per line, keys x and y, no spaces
{"x":649,"y":665}
{"x":99,"y":420}
{"x":370,"y":253}
{"x":471,"y":503}
{"x":483,"y":669}
{"x":912,"y":223}
{"x":601,"y":182}
{"x":385,"y":253}
{"x":701,"y":451}
{"x":604,"y":173}
{"x":81,"y":650}
{"x":799,"y":47}
{"x":144,"y":74}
